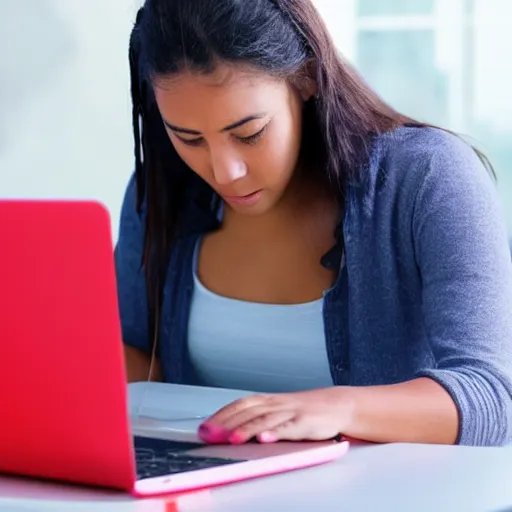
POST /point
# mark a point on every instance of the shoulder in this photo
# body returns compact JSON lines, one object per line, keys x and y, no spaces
{"x":422,"y":141}
{"x":129,"y":210}
{"x":403,"y":161}
{"x":130,"y":242}
{"x":412,"y":154}
{"x":131,"y":221}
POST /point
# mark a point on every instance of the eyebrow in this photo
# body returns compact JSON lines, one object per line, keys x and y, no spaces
{"x":232,"y":126}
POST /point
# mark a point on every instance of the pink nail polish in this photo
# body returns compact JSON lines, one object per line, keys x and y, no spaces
{"x":213,"y":434}
{"x":267,"y":437}
{"x":236,"y":438}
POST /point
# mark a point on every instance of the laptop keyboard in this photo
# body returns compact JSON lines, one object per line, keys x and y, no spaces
{"x":159,"y":457}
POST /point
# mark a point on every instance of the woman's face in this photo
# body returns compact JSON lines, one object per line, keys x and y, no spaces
{"x":239,"y":130}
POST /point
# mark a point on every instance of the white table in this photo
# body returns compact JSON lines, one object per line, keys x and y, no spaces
{"x":396,"y":477}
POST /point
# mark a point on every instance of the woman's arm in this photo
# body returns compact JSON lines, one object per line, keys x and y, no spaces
{"x":461,"y":247}
{"x":418,"y":411}
{"x":138,"y":366}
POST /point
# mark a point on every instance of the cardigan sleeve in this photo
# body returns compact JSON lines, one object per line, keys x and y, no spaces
{"x":131,"y":283}
{"x":463,"y":256}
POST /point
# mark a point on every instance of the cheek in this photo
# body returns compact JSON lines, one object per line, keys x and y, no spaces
{"x":280,"y":151}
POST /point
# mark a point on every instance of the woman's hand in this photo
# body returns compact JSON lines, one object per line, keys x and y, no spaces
{"x":417,"y":411}
{"x":310,"y":415}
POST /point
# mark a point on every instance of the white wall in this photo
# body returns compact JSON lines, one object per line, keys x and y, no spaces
{"x":65,"y":125}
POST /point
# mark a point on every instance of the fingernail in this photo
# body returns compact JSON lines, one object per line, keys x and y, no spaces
{"x":236,"y":438}
{"x":267,"y":437}
{"x":204,"y":429}
{"x":213,"y":433}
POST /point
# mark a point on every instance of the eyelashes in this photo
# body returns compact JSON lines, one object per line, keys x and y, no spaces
{"x":191,"y":142}
{"x":250,"y":140}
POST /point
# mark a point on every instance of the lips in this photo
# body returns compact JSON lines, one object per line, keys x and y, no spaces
{"x":241,"y":196}
{"x":247,"y":200}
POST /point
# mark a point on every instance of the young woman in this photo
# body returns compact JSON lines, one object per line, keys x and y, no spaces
{"x":288,"y":233}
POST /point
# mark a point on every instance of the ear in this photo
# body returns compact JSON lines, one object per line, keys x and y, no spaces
{"x":308,"y":89}
{"x":306,"y":82}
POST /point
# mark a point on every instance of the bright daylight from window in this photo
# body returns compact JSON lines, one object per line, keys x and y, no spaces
{"x":446,"y":62}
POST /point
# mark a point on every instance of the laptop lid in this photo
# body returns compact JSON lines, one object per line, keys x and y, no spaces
{"x":62,"y":381}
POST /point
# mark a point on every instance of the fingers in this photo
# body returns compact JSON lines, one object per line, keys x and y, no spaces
{"x":246,"y":418}
{"x":264,"y":423}
{"x":218,"y":428}
{"x":274,"y":417}
{"x":293,"y":430}
{"x":256,"y":414}
{"x":235,"y":408}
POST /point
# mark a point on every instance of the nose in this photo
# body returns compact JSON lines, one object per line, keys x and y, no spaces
{"x":227,"y":167}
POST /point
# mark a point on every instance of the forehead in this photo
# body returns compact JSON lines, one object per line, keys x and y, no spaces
{"x":226,"y":95}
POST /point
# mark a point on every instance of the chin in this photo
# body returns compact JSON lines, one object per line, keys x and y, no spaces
{"x":250,"y":211}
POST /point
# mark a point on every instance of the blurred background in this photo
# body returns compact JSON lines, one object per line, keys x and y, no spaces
{"x":65,"y":125}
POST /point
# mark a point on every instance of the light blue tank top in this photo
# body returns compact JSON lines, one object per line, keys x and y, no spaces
{"x":257,"y":347}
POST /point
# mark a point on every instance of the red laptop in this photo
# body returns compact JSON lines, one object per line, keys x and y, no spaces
{"x":63,"y":392}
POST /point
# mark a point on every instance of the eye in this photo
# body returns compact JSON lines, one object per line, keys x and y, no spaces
{"x":190,"y":142}
{"x":252,"y":139}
